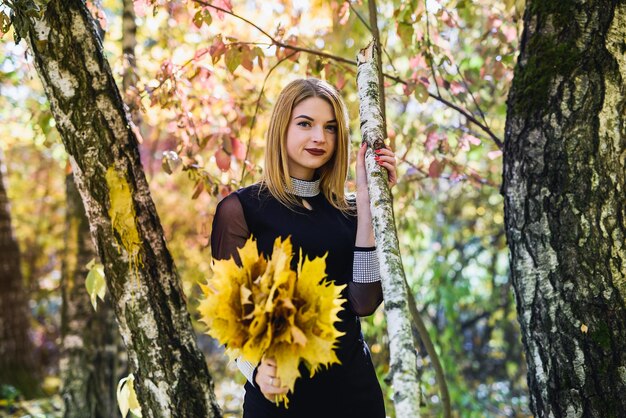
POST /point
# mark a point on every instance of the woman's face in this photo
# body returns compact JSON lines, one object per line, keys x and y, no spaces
{"x":311,"y":137}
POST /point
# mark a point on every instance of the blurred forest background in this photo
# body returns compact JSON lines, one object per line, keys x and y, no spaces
{"x":200,"y":89}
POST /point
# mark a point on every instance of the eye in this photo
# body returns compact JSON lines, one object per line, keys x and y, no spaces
{"x":304,"y":123}
{"x":332,"y":128}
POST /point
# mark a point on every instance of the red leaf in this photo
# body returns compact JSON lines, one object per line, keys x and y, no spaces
{"x":246,"y":59}
{"x":435,"y":169}
{"x":222,"y":159}
{"x":224,"y":4}
{"x":344,"y":13}
{"x":341,"y":80}
{"x":217,"y":49}
{"x":239,"y":150}
{"x":408,"y":88}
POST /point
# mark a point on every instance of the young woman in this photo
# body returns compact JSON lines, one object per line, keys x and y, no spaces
{"x":302,"y":196}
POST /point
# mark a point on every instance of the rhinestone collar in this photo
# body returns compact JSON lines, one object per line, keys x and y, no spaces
{"x":303,"y":188}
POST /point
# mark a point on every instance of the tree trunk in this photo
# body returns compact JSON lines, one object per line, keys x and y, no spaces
{"x":129,"y":74}
{"x":403,"y":363}
{"x":564,"y":187}
{"x":90,"y":338}
{"x":171,"y":375}
{"x":17,"y":363}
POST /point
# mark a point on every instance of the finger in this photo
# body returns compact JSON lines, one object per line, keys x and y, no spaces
{"x":361,"y":154}
{"x":384,"y":151}
{"x":274,"y":382}
{"x":391,"y":170}
{"x":386,"y":158}
{"x":272,"y":393}
{"x":271,"y":368}
{"x":269,"y":361}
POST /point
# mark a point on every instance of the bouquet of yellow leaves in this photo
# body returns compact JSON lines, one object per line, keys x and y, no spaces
{"x":264,"y":308}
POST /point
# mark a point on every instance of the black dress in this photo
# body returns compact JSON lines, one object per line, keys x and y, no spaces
{"x":347,"y":390}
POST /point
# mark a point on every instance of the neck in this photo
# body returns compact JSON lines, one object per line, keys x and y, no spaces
{"x":304,"y":188}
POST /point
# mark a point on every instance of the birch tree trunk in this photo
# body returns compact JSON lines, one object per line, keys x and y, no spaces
{"x":564,"y":189}
{"x":90,"y":338}
{"x":403,"y":362}
{"x":171,"y":375}
{"x":17,"y":362}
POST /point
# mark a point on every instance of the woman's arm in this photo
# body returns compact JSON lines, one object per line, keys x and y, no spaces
{"x":230,"y":232}
{"x":365,"y":291}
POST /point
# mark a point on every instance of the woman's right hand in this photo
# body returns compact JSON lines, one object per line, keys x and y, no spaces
{"x":267,"y":381}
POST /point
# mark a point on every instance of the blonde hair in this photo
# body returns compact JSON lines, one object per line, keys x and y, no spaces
{"x":333,"y":174}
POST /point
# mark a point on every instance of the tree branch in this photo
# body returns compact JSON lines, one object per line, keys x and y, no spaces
{"x":256,"y":111}
{"x":430,"y":349}
{"x":318,"y":53}
{"x":381,"y":77}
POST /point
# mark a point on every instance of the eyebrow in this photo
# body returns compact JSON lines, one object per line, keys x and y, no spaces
{"x":312,"y":120}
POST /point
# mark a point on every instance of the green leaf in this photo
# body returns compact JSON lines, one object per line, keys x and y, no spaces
{"x":95,"y":283}
{"x":258,"y":53}
{"x":202,"y":16}
{"x":5,"y":23}
{"x":233,"y":59}
{"x":421,"y":93}
{"x":405,"y":32}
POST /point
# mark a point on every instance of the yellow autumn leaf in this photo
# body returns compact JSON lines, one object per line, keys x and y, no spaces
{"x":127,"y":398}
{"x":264,"y":308}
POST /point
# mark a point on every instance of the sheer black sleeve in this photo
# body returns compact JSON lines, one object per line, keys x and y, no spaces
{"x":230,"y":230}
{"x":365,"y":292}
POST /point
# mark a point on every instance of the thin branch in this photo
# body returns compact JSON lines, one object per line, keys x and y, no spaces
{"x":390,"y":60}
{"x":428,"y":45}
{"x":360,"y":17}
{"x":485,"y":314}
{"x":256,"y":111}
{"x":180,"y":68}
{"x":432,"y":353}
{"x":268,"y":44}
{"x":470,"y":172}
{"x":370,"y":30}
{"x":465,"y":113}
{"x":469,"y":117}
{"x":379,"y":69}
{"x":204,"y":3}
{"x":482,"y":115}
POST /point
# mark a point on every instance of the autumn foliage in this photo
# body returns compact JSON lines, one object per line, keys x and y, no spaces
{"x":264,"y":308}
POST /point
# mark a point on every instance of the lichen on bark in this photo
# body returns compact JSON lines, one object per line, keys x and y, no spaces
{"x":564,"y":177}
{"x":403,"y":362}
{"x":122,"y":214}
{"x":171,"y":374}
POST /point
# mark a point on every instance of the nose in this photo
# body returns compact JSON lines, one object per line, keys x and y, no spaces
{"x":317,"y":134}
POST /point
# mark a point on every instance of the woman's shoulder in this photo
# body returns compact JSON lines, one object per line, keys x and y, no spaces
{"x":253,"y":196}
{"x":254,"y":191}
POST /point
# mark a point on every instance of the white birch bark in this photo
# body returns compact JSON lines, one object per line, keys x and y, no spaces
{"x":171,"y":375}
{"x":563,"y":185}
{"x":403,"y":362}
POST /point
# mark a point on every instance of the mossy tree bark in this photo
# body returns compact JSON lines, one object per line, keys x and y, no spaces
{"x":403,"y":362}
{"x":90,"y":338}
{"x":171,"y":376}
{"x":17,"y":362}
{"x":564,"y":189}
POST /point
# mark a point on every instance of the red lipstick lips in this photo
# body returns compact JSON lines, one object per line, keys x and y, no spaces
{"x":315,"y":151}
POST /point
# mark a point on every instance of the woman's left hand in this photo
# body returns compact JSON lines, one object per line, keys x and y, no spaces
{"x":384,"y":157}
